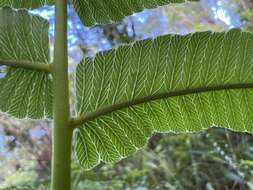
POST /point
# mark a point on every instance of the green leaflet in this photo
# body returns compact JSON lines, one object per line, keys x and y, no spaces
{"x":94,"y":12}
{"x":171,"y":83}
{"x":24,"y":93}
{"x":30,"y":4}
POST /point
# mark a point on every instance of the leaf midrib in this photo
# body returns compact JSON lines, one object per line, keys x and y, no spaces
{"x":140,"y":100}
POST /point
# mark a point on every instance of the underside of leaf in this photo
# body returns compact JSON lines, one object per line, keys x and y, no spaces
{"x":172,"y":83}
{"x":24,"y":93}
{"x":29,"y":4}
{"x":93,"y":12}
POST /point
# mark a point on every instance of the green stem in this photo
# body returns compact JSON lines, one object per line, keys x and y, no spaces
{"x":62,"y":133}
{"x":76,"y":122}
{"x":27,"y":65}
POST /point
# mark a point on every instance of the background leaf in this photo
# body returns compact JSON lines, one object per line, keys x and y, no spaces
{"x":24,"y":93}
{"x":94,"y":12}
{"x":171,"y":83}
{"x":18,"y":188}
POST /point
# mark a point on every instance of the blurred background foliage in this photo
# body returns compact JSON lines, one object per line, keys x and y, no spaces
{"x":214,"y":159}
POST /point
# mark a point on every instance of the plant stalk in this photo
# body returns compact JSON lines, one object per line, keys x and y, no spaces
{"x":78,"y":121}
{"x":62,"y":133}
{"x":27,"y":65}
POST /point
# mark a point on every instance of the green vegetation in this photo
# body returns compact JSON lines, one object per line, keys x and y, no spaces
{"x":172,"y":83}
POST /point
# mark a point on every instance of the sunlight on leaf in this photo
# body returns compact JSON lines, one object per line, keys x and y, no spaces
{"x":24,"y":93}
{"x":30,"y":4}
{"x":93,"y":12}
{"x":171,"y":83}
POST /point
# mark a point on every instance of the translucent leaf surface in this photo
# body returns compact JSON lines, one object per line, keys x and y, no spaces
{"x":30,"y":4}
{"x":171,"y":83}
{"x":94,"y":12}
{"x":24,"y":93}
